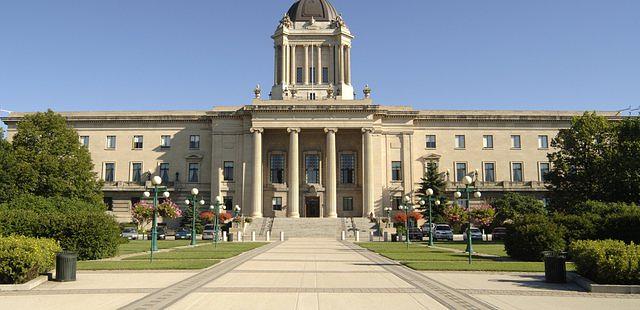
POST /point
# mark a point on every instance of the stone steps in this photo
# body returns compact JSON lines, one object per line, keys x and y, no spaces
{"x":310,"y":227}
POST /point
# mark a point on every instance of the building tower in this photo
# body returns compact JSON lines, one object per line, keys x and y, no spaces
{"x":312,"y":54}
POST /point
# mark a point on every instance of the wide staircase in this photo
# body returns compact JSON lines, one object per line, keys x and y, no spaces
{"x":310,"y":227}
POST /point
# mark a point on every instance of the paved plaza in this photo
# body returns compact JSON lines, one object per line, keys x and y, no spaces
{"x":310,"y":274}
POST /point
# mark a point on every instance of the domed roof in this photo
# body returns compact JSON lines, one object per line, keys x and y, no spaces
{"x":319,"y":10}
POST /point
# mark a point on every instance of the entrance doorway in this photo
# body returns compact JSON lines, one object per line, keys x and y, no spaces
{"x":312,"y":206}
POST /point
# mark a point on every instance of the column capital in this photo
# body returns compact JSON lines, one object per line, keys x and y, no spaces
{"x":256,"y":129}
{"x":296,"y":130}
{"x":368,"y":130}
{"x":334,"y":130}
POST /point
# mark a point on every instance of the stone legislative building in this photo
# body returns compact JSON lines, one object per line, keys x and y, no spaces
{"x":309,"y":148}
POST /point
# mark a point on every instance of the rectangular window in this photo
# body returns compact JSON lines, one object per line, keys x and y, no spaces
{"x":487,"y":141}
{"x":516,"y":172}
{"x":312,"y":75}
{"x":431,"y":141}
{"x":515,"y":142}
{"x":396,"y":202}
{"x":396,"y":171}
{"x":299,"y":75}
{"x":108,"y":202}
{"x":138,"y":142}
{"x":228,"y":171}
{"x":228,"y":202}
{"x":347,"y":204}
{"x":312,"y":168}
{"x":544,"y":170}
{"x":164,"y":173}
{"x":136,"y":172}
{"x":461,"y":171}
{"x":165,"y":141}
{"x":276,"y":203}
{"x":276,"y":164}
{"x":111,"y":142}
{"x":543,"y":142}
{"x":325,"y":75}
{"x":347,"y":168}
{"x":194,"y":142}
{"x":489,"y":172}
{"x":84,"y":141}
{"x":194,"y":172}
{"x":460,"y":142}
{"x":109,"y":172}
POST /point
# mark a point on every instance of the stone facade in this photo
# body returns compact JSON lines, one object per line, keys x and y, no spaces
{"x":316,"y":151}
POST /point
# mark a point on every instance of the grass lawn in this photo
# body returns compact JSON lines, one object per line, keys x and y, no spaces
{"x":138,"y":246}
{"x":186,"y":258}
{"x":420,"y":257}
{"x":491,"y":248}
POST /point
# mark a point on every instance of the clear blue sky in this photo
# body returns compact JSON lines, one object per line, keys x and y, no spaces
{"x":431,"y":54}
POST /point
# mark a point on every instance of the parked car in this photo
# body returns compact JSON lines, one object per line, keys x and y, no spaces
{"x":131,"y":233}
{"x":476,"y":234}
{"x":443,"y":232}
{"x":498,"y":233}
{"x":415,"y":234}
{"x":162,"y":234}
{"x":208,"y":232}
{"x":183,"y":233}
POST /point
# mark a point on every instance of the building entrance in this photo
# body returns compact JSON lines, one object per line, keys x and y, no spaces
{"x":312,"y":206}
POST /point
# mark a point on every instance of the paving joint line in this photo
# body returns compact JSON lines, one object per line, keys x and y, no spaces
{"x":160,"y":299}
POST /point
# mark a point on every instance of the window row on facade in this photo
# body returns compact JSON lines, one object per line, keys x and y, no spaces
{"x":312,"y":173}
{"x":137,"y":174}
{"x":137,"y":142}
{"x":487,"y":142}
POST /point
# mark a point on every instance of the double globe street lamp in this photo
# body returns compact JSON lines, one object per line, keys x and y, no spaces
{"x":217,"y":208}
{"x":406,"y":206}
{"x":194,"y":197}
{"x":430,"y":199}
{"x":468,"y":189}
{"x":156,"y":182}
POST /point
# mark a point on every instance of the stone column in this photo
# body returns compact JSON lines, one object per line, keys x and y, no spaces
{"x":294,"y":76}
{"x":319,"y":66}
{"x":348,"y":64}
{"x":368,"y":200}
{"x":332,"y":200}
{"x":275,"y":65}
{"x":283,"y":63}
{"x":257,"y":172}
{"x":306,"y":64}
{"x":294,"y":174}
{"x":341,"y":64}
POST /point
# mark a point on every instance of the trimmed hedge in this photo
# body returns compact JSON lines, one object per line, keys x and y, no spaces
{"x":51,"y":204}
{"x":22,"y":259}
{"x":527,"y":237}
{"x":93,"y":235}
{"x":607,"y":261}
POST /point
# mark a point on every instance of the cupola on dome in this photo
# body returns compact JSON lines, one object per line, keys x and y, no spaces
{"x":318,"y":10}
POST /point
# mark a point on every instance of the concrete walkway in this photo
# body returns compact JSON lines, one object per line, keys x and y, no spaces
{"x":309,"y":274}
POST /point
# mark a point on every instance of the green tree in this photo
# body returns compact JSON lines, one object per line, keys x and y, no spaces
{"x":187,"y":218}
{"x":49,"y":160}
{"x":513,"y":205}
{"x":625,"y":166}
{"x":434,"y":180}
{"x":12,"y":174}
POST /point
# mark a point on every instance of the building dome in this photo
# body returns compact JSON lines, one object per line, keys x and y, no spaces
{"x":319,"y":10}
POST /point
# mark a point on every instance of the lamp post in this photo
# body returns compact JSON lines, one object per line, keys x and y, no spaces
{"x":194,"y":197}
{"x":217,"y":208}
{"x":430,"y":199}
{"x":156,"y":182}
{"x":467,"y":180}
{"x":406,"y":207}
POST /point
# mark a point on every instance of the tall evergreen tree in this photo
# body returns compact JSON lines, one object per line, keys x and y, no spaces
{"x":434,"y":180}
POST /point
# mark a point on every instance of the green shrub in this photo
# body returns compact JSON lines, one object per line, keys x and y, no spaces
{"x":42,"y":204}
{"x":587,"y":226}
{"x":93,"y":235}
{"x":22,"y":258}
{"x":527,"y":237}
{"x":514,"y":205}
{"x":607,"y":261}
{"x":622,"y":226}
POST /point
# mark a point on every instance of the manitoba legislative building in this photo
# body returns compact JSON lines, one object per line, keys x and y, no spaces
{"x":307,"y":147}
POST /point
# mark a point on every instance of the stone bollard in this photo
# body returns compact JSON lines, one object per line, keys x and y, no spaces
{"x":386,"y":237}
{"x":240,"y":236}
{"x":371,"y":236}
{"x":357,"y":236}
{"x":343,"y":236}
{"x":268,"y":238}
{"x":282,"y":236}
{"x":253,"y":236}
{"x":224,"y":236}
